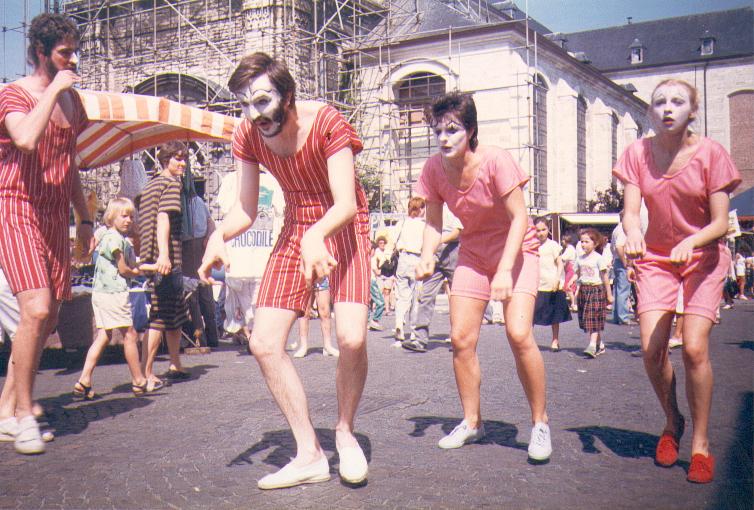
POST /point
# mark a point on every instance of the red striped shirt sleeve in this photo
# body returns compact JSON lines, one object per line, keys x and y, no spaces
{"x":338,"y":133}
{"x":242,"y":142}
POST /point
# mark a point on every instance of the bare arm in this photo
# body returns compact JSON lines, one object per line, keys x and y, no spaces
{"x":84,"y":231}
{"x":25,"y":129}
{"x":164,"y":265}
{"x":240,"y":217}
{"x":606,"y":283}
{"x":502,"y":283}
{"x":717,"y":227}
{"x":123,"y":268}
{"x":559,"y":269}
{"x":449,"y":237}
{"x":635,"y":246}
{"x":316,"y":261}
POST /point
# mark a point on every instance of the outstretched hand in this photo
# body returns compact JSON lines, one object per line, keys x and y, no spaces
{"x":215,"y":256}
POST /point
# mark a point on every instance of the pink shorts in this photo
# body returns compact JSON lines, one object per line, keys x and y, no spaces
{"x":469,"y":280}
{"x":658,"y":282}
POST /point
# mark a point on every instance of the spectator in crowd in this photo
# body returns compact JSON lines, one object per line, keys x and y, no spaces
{"x":320,"y":295}
{"x":621,"y":285}
{"x":408,"y":243}
{"x":593,"y":291}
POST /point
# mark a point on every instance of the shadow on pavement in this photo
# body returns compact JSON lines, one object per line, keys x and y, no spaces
{"x":734,"y":472}
{"x":746,"y":344}
{"x":283,"y":448}
{"x":496,"y":432}
{"x":66,"y":418}
{"x":624,"y":443}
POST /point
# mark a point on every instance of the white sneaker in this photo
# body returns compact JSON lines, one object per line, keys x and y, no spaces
{"x":461,"y":435}
{"x":28,"y":439}
{"x":540,"y":444}
{"x":8,"y":429}
{"x":290,"y":475}
{"x":675,"y":342}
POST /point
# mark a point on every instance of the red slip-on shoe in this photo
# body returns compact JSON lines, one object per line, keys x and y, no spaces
{"x":702,"y":469}
{"x":666,"y":453}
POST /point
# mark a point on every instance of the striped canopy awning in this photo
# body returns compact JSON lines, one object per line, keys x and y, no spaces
{"x":121,"y":124}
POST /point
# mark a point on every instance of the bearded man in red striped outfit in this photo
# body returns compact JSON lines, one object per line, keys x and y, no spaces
{"x":40,"y":119}
{"x":309,"y":148}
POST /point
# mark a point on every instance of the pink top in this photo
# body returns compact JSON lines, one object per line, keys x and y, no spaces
{"x":678,"y":204}
{"x":480,"y":207}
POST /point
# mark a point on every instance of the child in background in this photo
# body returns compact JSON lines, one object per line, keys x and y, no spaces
{"x":593,"y":291}
{"x":110,"y":301}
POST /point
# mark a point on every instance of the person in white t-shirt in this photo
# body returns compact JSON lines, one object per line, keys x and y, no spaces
{"x":248,"y":253}
{"x":593,"y":292}
{"x":409,"y":246}
{"x":551,"y":307}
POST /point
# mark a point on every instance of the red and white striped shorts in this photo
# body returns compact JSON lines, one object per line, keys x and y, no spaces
{"x":34,"y":249}
{"x":283,"y":285}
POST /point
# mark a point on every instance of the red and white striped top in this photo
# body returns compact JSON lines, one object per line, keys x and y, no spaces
{"x":303,"y":176}
{"x":42,"y":178}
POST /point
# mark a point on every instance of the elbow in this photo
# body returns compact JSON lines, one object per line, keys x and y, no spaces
{"x":350,"y":210}
{"x":25,"y":146}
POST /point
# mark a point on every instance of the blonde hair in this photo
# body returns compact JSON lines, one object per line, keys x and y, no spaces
{"x":115,"y":207}
{"x":693,"y":93}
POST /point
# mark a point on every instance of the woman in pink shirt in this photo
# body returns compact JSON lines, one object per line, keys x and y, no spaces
{"x":498,"y":259}
{"x":684,"y":180}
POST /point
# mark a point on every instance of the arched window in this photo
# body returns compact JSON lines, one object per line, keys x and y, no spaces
{"x":581,"y":154}
{"x":539,"y":143}
{"x":416,"y":91}
{"x":414,"y":137}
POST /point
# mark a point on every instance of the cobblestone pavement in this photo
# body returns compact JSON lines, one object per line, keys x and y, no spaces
{"x":205,"y":442}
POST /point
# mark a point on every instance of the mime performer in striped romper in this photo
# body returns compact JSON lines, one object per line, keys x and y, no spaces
{"x":309,"y":148}
{"x":40,"y":119}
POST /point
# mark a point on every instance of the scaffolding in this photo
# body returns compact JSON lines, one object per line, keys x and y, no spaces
{"x":186,"y":49}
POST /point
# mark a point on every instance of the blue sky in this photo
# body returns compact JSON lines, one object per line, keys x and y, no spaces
{"x":558,"y":15}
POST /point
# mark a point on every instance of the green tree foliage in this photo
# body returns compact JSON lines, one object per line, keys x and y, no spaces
{"x":370,"y":177}
{"x":609,"y":200}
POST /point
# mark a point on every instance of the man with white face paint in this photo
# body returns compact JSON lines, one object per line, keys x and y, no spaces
{"x":40,"y":119}
{"x":309,"y":148}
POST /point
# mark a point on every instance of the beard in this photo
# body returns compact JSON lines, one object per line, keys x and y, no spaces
{"x":279,"y":116}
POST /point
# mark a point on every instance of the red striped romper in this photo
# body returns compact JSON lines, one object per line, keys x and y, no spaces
{"x":306,"y":188}
{"x":35,"y":196}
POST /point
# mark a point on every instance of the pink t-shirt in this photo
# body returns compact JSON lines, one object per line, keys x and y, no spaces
{"x":480,"y":207}
{"x":678,"y":204}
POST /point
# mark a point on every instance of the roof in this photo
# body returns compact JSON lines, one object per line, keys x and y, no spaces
{"x":411,"y":18}
{"x":667,"y":41}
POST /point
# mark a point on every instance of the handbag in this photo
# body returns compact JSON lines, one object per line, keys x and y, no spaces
{"x":390,"y":266}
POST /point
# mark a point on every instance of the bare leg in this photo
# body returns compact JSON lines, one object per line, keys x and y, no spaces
{"x":150,"y":345}
{"x":271,"y":328}
{"x":38,"y":311}
{"x":173,"y":337}
{"x":555,"y":344}
{"x":8,"y":395}
{"x":519,"y":314}
{"x":351,"y":374}
{"x":303,"y":335}
{"x":465,"y":322}
{"x":655,"y":328}
{"x":699,"y":379}
{"x":325,"y":322}
{"x":131,"y":352}
{"x":92,"y":356}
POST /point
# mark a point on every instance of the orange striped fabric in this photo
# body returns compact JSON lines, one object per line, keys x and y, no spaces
{"x":306,"y":188}
{"x":121,"y":124}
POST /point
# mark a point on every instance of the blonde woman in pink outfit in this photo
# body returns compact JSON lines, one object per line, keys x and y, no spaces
{"x":498,"y":259}
{"x":684,"y":180}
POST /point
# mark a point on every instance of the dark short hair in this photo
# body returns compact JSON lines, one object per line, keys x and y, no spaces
{"x":542,"y":219}
{"x":257,"y":64}
{"x":169,"y":150}
{"x":594,"y":234}
{"x":461,"y":105}
{"x":47,"y":31}
{"x":415,"y":205}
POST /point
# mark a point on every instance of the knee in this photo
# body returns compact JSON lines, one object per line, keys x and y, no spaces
{"x":464,"y":345}
{"x":351,"y":342}
{"x":38,"y":313}
{"x":262,"y":348}
{"x":654,"y":356}
{"x":694,"y":355}
{"x":519,"y":337}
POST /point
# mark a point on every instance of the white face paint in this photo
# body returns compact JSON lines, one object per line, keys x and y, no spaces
{"x":262,"y":104}
{"x":452,"y":138}
{"x":671,"y":108}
